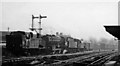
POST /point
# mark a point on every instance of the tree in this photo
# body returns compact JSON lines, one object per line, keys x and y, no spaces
{"x":93,"y":43}
{"x":103,"y":40}
{"x":103,"y":43}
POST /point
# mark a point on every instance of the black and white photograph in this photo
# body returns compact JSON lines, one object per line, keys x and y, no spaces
{"x":60,"y":33}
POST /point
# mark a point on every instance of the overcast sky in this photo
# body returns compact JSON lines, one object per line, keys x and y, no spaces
{"x":79,"y":19}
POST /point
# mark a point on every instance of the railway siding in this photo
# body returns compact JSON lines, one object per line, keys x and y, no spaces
{"x":52,"y":60}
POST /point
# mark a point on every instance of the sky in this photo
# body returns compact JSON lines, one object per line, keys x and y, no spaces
{"x":78,"y":19}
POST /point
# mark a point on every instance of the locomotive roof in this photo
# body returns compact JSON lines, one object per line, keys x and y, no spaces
{"x":21,"y":32}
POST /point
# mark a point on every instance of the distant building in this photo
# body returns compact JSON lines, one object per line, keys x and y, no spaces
{"x":2,"y":36}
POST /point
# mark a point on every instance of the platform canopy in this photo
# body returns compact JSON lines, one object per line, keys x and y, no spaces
{"x":113,"y":30}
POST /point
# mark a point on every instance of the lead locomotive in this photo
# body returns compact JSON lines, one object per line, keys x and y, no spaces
{"x":18,"y":41}
{"x":25,"y":43}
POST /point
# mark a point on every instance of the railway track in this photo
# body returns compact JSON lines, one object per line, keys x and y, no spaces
{"x":40,"y":56}
{"x":71,"y":61}
{"x":52,"y":60}
{"x":100,"y":61}
{"x":92,"y":60}
{"x":40,"y":59}
{"x":95,"y":61}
